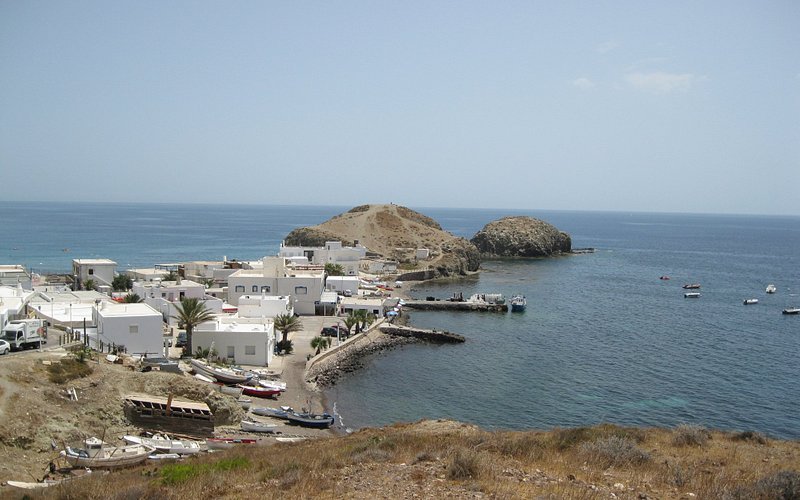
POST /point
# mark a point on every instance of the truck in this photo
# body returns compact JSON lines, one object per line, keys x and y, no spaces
{"x":24,"y":333}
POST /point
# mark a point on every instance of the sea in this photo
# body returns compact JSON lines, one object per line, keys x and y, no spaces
{"x":603,"y":339}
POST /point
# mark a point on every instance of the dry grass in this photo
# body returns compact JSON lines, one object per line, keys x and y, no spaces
{"x":441,"y":459}
{"x":68,"y":369}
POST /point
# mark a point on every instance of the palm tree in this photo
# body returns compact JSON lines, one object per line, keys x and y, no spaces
{"x":319,"y":343}
{"x":89,"y":284}
{"x":191,"y":312}
{"x":287,"y":323}
{"x":132,"y":298}
{"x":170,"y":276}
{"x":350,"y":321}
{"x":364,"y":319}
{"x":332,"y":269}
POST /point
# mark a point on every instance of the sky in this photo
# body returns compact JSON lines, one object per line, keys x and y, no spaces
{"x":656,"y":106}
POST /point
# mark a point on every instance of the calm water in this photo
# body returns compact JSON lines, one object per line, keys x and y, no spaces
{"x":603,"y":338}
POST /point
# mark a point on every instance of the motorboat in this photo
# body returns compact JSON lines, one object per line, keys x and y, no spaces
{"x":314,"y":420}
{"x":518,"y":303}
{"x":98,"y":454}
{"x":692,"y":295}
{"x":792,"y":310}
{"x":771,"y":288}
{"x":747,"y":302}
{"x":692,"y":286}
{"x":163,"y":444}
{"x":664,"y":278}
{"x":253,"y":426}
{"x":283,"y":412}
{"x":219,"y":373}
{"x":259,"y":391}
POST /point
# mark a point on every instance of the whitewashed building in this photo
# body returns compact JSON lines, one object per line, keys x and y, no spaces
{"x":265,"y":306}
{"x":164,"y":296}
{"x":137,"y":327}
{"x":332,"y":253}
{"x":146,"y":274}
{"x":13,"y":303}
{"x":303,"y":284}
{"x":14,"y":274}
{"x":339,"y":284}
{"x":101,"y":271}
{"x":376,"y":306}
{"x":243,"y":341}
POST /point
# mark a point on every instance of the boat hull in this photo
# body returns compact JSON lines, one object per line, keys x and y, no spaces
{"x":313,"y":421}
{"x":224,"y":376}
{"x":110,"y":458}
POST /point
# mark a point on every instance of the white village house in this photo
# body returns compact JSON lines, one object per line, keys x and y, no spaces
{"x":303,"y":283}
{"x":332,"y":253}
{"x":101,"y":271}
{"x":13,"y":303}
{"x":264,"y":306}
{"x":164,"y":296}
{"x":15,"y":274}
{"x":243,"y":341}
{"x":138,"y":327}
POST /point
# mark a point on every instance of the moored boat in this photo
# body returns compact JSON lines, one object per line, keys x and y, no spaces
{"x":692,"y":286}
{"x":792,"y":310}
{"x":314,"y":420}
{"x":98,"y":454}
{"x":747,"y":302}
{"x":518,"y":303}
{"x":221,"y":374}
{"x":771,"y":288}
{"x":692,"y":295}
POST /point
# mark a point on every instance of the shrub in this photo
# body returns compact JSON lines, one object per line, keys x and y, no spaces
{"x":783,"y":485}
{"x":563,"y":439}
{"x":690,"y":435}
{"x":68,"y":369}
{"x":750,"y":436}
{"x":615,"y":450}
{"x":463,"y":464}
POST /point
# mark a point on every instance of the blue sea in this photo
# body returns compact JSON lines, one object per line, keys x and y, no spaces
{"x":602,"y":340}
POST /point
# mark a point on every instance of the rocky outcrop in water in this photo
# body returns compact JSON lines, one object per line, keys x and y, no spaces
{"x":521,"y":236}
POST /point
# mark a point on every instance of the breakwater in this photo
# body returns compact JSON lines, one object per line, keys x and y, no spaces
{"x":423,"y":334}
{"x":442,"y":305}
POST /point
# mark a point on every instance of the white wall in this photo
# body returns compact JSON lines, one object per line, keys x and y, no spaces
{"x":340,"y":283}
{"x":114,"y":326}
{"x":257,"y":306}
{"x":239,"y":336}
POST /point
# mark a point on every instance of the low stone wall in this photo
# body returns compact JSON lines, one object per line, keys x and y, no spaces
{"x":423,"y":334}
{"x":426,"y":274}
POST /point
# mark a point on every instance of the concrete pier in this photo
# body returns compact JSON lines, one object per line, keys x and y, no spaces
{"x":443,"y":305}
{"x":420,"y":333}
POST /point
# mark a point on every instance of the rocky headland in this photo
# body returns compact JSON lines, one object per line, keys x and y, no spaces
{"x":394,"y":232}
{"x":521,"y":236}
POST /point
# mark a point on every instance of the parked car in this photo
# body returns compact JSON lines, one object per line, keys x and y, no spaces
{"x":5,"y":347}
{"x":330,"y":331}
{"x":182,"y":340}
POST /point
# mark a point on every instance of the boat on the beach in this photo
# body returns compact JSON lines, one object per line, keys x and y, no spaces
{"x":253,"y":426}
{"x":98,"y":454}
{"x":518,"y":303}
{"x":692,"y":286}
{"x":221,"y":374}
{"x":231,"y":390}
{"x":771,"y":288}
{"x":277,"y":384}
{"x":792,"y":310}
{"x":245,"y":403}
{"x":259,"y":391}
{"x":747,"y":302}
{"x":225,"y":443}
{"x":313,"y":420}
{"x":692,"y":295}
{"x":164,"y":444}
{"x":47,"y":482}
{"x":283,"y":412}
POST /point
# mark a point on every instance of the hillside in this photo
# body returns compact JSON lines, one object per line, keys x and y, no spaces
{"x":394,"y":232}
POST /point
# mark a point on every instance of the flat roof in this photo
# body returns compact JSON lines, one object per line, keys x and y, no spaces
{"x":118,"y":310}
{"x":175,"y":403}
{"x":95,"y":262}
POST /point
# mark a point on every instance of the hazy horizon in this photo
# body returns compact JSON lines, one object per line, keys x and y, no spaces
{"x":679,"y":107}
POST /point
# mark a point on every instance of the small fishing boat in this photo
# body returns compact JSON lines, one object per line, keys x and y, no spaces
{"x":692,"y":295}
{"x":221,"y":374}
{"x":259,"y":391}
{"x":771,"y":288}
{"x":747,"y":302}
{"x":225,"y":443}
{"x":98,"y":454}
{"x":253,"y":426}
{"x":314,"y":420}
{"x":518,"y":303}
{"x":792,"y":310}
{"x":692,"y":286}
{"x":665,"y":277}
{"x":245,"y":403}
{"x":231,"y":390}
{"x":164,"y":444}
{"x":272,"y":384}
{"x":203,"y":378}
{"x":283,"y":412}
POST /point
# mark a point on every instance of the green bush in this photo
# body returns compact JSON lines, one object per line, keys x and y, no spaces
{"x":68,"y":369}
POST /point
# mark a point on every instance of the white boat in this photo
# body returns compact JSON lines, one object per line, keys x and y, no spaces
{"x":163,"y":444}
{"x":692,"y":295}
{"x":252,"y":426}
{"x":518,"y":303}
{"x":771,"y":288}
{"x":272,"y":384}
{"x":204,"y":378}
{"x":46,"y":483}
{"x":221,"y":374}
{"x":96,"y":453}
{"x":747,"y":302}
{"x":792,"y":310}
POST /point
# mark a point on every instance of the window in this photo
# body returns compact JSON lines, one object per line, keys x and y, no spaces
{"x":250,"y":350}
{"x":265,"y":289}
{"x":301,"y":290}
{"x":255,"y":288}
{"x":133,"y":329}
{"x":231,"y":351}
{"x":240,"y":288}
{"x":182,"y":296}
{"x":91,"y":271}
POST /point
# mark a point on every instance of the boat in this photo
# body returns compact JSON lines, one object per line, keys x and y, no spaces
{"x":245,"y":403}
{"x":692,"y":295}
{"x":253,"y":426}
{"x":665,"y":277}
{"x":164,"y":444}
{"x":792,"y":310}
{"x":283,"y":412}
{"x":771,"y":288}
{"x":259,"y":391}
{"x":230,"y":390}
{"x":272,"y":384}
{"x":518,"y":303}
{"x":221,"y":374}
{"x":47,"y":482}
{"x":225,"y":443}
{"x":98,"y":454}
{"x":747,"y":302}
{"x":165,"y":456}
{"x":201,"y":377}
{"x":314,"y":420}
{"x":693,"y":286}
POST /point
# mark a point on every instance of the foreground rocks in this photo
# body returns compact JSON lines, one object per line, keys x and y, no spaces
{"x":521,"y":236}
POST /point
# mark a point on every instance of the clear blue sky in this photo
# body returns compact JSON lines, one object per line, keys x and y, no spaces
{"x":678,"y":106}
